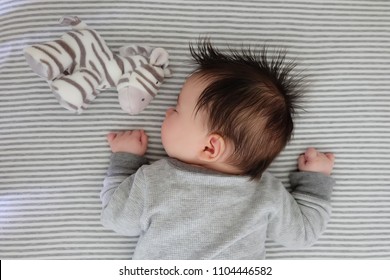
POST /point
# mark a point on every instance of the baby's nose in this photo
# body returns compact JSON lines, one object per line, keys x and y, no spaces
{"x":168,"y":112}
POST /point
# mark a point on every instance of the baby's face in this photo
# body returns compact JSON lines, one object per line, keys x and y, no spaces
{"x":183,"y":134}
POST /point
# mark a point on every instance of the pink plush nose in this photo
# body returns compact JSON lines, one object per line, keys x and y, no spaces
{"x":133,"y":100}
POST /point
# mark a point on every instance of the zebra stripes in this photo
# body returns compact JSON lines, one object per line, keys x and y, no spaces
{"x":80,"y":64}
{"x":76,"y":85}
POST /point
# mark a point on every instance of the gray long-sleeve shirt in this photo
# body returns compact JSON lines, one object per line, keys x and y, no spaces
{"x":182,"y":211}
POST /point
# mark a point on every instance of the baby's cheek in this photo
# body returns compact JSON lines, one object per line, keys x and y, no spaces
{"x":166,"y":134}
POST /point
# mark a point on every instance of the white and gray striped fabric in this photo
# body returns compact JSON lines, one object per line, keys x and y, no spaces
{"x":52,"y":162}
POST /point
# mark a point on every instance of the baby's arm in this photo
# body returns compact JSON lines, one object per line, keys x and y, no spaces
{"x":121,"y":195}
{"x":304,"y":214}
{"x":127,"y":149}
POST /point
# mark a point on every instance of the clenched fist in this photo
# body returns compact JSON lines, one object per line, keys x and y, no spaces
{"x":133,"y":141}
{"x":314,"y":161}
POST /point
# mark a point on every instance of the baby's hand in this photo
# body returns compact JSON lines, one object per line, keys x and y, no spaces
{"x":135,"y":142}
{"x":315,"y":161}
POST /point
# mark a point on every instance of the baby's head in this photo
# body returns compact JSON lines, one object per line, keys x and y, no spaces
{"x":234,"y":112}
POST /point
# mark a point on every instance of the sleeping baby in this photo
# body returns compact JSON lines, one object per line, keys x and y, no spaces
{"x":212,"y":197}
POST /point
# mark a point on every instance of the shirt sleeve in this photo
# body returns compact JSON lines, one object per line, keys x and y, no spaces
{"x":122,"y":194}
{"x":302,"y":216}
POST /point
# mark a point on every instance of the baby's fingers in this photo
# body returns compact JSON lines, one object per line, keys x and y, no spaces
{"x":310,"y":154}
{"x":301,"y":162}
{"x":111,"y":136}
{"x":330,"y":156}
{"x":144,"y":138}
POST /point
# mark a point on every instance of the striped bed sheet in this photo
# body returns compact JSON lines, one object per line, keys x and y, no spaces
{"x":52,"y":161}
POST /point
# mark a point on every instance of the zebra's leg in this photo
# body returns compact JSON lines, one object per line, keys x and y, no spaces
{"x":50,"y":59}
{"x":74,"y":92}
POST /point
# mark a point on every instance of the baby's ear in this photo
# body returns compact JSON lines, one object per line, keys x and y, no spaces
{"x":214,"y":149}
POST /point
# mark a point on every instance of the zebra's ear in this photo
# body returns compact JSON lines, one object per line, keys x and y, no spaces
{"x":159,"y":57}
{"x":130,"y":50}
{"x":167,"y":73}
{"x":68,"y":20}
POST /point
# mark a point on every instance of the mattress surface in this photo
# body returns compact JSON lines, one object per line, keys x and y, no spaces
{"x":53,"y":162}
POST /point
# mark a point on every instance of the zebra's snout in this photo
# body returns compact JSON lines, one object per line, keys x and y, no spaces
{"x":133,"y":100}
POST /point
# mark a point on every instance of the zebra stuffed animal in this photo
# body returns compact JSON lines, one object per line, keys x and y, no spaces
{"x":80,"y":64}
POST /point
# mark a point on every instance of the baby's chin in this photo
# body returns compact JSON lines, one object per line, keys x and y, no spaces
{"x":177,"y":156}
{"x":172,"y":154}
{"x":169,"y":150}
{"x":165,"y":146}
